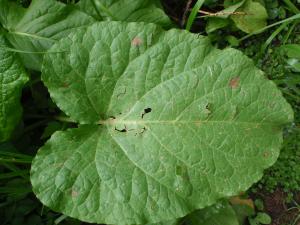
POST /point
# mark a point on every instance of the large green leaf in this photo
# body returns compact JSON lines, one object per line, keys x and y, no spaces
{"x":36,"y":29}
{"x":167,"y":124}
{"x":12,"y":79}
{"x":149,"y":11}
{"x":219,"y":214}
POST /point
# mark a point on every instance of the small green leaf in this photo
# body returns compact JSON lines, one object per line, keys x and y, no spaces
{"x":254,"y":19}
{"x":263,"y":218}
{"x":166,"y":124}
{"x":214,"y":23}
{"x":232,"y":40}
{"x":218,"y":214}
{"x":292,"y":50}
{"x":253,"y":222}
{"x":12,"y":79}
{"x":294,"y":64}
{"x":259,"y":204}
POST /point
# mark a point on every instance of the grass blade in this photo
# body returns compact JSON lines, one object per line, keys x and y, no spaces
{"x":295,"y":17}
{"x":193,"y":14}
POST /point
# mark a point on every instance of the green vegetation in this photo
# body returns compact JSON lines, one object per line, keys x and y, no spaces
{"x":133,"y":103}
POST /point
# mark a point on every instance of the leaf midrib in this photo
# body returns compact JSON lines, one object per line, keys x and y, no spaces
{"x":195,"y":122}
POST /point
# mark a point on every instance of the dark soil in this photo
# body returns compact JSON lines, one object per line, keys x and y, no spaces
{"x":276,"y":206}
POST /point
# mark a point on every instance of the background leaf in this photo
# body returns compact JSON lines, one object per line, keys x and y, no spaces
{"x":263,"y":218}
{"x":214,"y":23}
{"x":219,"y":214}
{"x":12,"y":79}
{"x":255,"y":17}
{"x":37,"y":28}
{"x":149,"y":11}
{"x":291,"y":50}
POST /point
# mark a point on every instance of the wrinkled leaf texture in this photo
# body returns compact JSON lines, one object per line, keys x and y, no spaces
{"x":167,"y":124}
{"x":37,"y":28}
{"x":12,"y":78}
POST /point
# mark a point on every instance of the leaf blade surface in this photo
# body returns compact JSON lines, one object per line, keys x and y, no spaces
{"x":171,"y":124}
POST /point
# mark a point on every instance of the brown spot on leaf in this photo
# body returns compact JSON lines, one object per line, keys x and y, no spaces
{"x":136,"y":41}
{"x":234,"y":82}
{"x":74,"y":193}
{"x":65,"y":85}
{"x":266,"y":154}
{"x":198,"y":123}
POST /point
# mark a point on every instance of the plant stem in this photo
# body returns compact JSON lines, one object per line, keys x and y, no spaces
{"x":13,"y":174}
{"x":13,"y":160}
{"x":35,"y":125}
{"x":64,"y":119}
{"x":17,"y":155}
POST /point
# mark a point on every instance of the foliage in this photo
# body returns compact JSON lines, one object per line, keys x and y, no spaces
{"x":13,"y":77}
{"x":132,"y":119}
{"x":175,"y":92}
{"x":36,"y":28}
{"x":247,"y":15}
{"x":221,"y":213}
{"x":149,"y":11}
{"x":286,"y":171}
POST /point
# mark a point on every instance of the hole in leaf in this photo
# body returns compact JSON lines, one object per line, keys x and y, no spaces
{"x":208,"y":108}
{"x":121,"y":130}
{"x":147,"y":110}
